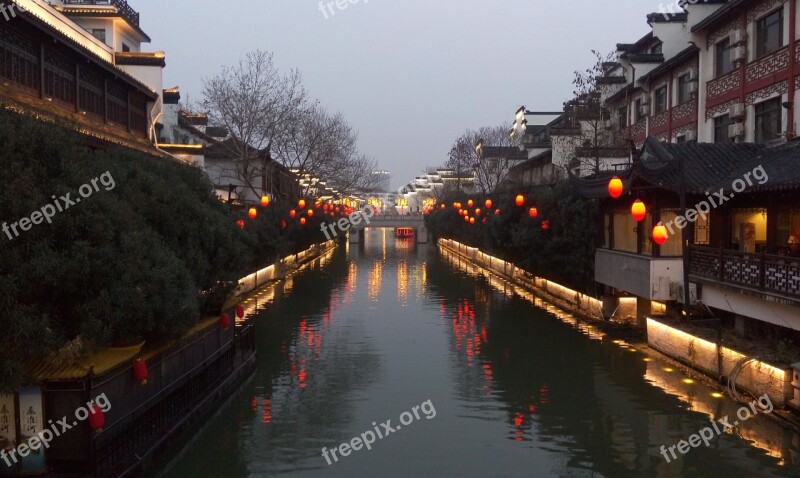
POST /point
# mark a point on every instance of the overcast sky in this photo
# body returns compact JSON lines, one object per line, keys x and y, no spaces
{"x":409,"y":75}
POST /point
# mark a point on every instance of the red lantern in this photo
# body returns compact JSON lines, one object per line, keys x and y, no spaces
{"x":466,"y":218}
{"x":301,"y":204}
{"x":442,"y":206}
{"x":310,"y":213}
{"x":533,"y":212}
{"x":470,"y":203}
{"x":264,"y":201}
{"x":292,"y":213}
{"x":615,"y":187}
{"x":140,"y":372}
{"x":638,"y":210}
{"x":253,"y":212}
{"x":325,"y":208}
{"x":520,"y":200}
{"x":96,"y":419}
{"x":484,"y":218}
{"x":660,"y":235}
{"x":318,"y":204}
{"x":240,"y":311}
{"x":488,"y":204}
{"x":303,"y":221}
{"x":240,"y":223}
{"x":496,"y":212}
{"x":472,"y":220}
{"x":224,"y":321}
{"x":283,"y":224}
{"x":545,"y":225}
{"x":477,"y":212}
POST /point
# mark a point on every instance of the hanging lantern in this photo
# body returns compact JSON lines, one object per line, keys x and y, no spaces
{"x":478,"y":212}
{"x":442,"y":206}
{"x":264,"y":201}
{"x":615,"y":187}
{"x":484,"y":218}
{"x":240,"y":311}
{"x":325,"y":208}
{"x":488,"y":204}
{"x":240,"y":223}
{"x":224,"y":321}
{"x":638,"y":210}
{"x":496,"y":212}
{"x":660,"y":235}
{"x":470,"y":203}
{"x":283,"y":224}
{"x":292,"y":213}
{"x":533,"y":212}
{"x":310,"y":213}
{"x":303,"y":221}
{"x":301,"y":204}
{"x":96,"y":419}
{"x":466,"y":218}
{"x":318,"y":204}
{"x":520,"y":200}
{"x":545,"y":225}
{"x":140,"y":372}
{"x":253,"y":212}
{"x":472,"y":220}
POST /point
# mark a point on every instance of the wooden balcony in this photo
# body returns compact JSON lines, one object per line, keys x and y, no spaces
{"x":762,"y":274}
{"x":124,"y":10}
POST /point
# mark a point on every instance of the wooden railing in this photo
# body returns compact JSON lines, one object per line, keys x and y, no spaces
{"x":763,"y":272}
{"x":127,"y":12}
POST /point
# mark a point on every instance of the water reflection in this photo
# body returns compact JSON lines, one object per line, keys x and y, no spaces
{"x":520,"y":388}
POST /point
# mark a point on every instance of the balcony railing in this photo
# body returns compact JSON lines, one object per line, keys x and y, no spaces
{"x":779,"y":275}
{"x":128,"y":13}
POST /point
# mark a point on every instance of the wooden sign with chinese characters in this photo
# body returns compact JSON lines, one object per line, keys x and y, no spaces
{"x":31,"y":422}
{"x":8,"y":425}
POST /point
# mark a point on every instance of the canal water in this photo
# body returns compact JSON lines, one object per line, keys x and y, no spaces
{"x":503,"y":384}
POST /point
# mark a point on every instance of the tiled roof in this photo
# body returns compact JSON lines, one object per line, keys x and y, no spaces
{"x":710,"y":167}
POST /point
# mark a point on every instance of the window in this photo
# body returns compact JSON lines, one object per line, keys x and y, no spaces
{"x":99,"y":33}
{"x":637,"y":114}
{"x":684,"y":85}
{"x":724,"y":63}
{"x":125,"y":48}
{"x":657,"y":48}
{"x":721,"y":124}
{"x":769,"y":33}
{"x":768,"y":120}
{"x":661,"y":99}
{"x":622,"y":117}
{"x":681,"y":139}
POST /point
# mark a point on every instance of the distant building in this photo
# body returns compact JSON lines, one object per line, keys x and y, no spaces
{"x":382,"y":180}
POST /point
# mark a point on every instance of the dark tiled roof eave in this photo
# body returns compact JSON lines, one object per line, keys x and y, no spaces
{"x":673,"y":62}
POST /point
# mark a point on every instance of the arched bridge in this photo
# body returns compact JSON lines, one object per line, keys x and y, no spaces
{"x":392,"y":221}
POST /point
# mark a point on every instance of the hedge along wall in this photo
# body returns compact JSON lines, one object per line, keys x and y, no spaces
{"x":756,"y":378}
{"x":577,"y":302}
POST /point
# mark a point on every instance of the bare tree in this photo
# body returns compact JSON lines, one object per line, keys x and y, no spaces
{"x":500,"y":152}
{"x":586,"y":114}
{"x":254,"y":101}
{"x":324,"y":145}
{"x":462,"y":157}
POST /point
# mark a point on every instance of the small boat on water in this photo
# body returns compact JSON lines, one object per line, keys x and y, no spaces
{"x":404,"y":232}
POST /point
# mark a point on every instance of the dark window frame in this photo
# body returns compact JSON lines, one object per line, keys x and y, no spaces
{"x":723,"y":58}
{"x":763,"y":26}
{"x":768,"y":115}
{"x":684,"y":81}
{"x":721,"y":125}
{"x":661,"y":100}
